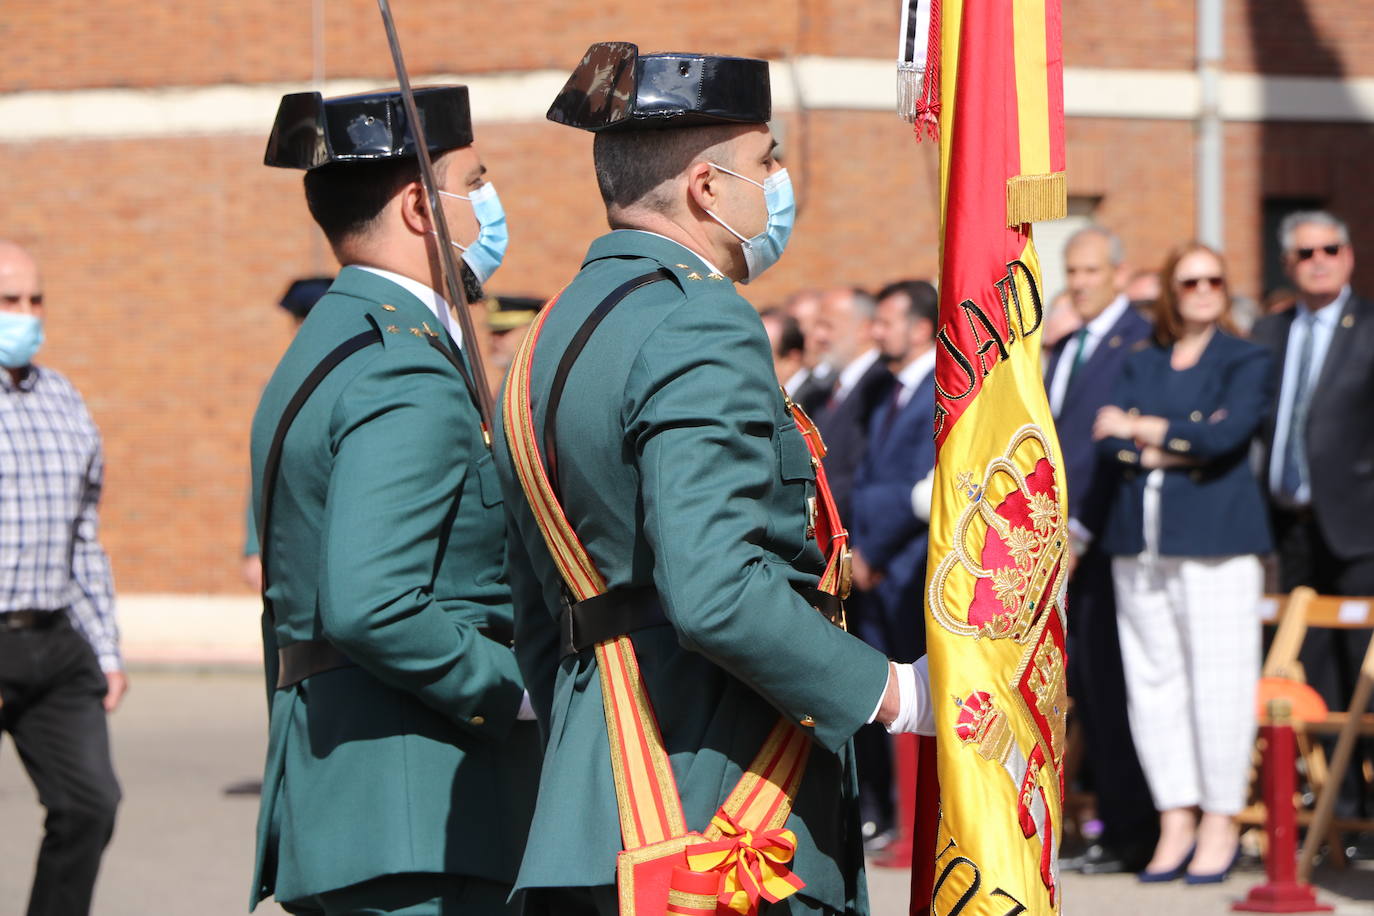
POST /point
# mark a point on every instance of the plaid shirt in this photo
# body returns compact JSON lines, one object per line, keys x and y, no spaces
{"x":51,"y":469}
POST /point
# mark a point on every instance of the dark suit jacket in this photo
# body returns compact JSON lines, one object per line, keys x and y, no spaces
{"x":1092,"y":483}
{"x":1340,"y":425}
{"x":844,"y":426}
{"x":901,"y":451}
{"x":1213,"y":409}
{"x":815,"y":391}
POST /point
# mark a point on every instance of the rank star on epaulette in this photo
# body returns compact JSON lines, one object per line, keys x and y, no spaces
{"x":389,"y":308}
{"x":715,"y":277}
{"x":417,"y":332}
{"x":694,"y":276}
{"x":392,"y":329}
{"x":428,"y":330}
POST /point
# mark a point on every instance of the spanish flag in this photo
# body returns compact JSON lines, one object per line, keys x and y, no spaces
{"x":998,"y":537}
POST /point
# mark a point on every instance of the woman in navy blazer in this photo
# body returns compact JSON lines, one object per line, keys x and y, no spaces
{"x":1185,"y":530}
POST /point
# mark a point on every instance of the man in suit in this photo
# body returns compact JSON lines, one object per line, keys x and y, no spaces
{"x":684,"y":478}
{"x":889,"y":539}
{"x":861,"y":380}
{"x":1319,"y":443}
{"x":1082,"y":369}
{"x":785,"y":337}
{"x":401,"y":762}
{"x":810,"y":385}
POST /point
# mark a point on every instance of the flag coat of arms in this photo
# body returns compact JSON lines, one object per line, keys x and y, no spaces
{"x":992,"y":76}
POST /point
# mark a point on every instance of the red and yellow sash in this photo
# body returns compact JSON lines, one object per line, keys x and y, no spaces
{"x":742,"y":856}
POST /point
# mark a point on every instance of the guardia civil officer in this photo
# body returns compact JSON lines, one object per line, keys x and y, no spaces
{"x":687,"y":481}
{"x":399,"y":774}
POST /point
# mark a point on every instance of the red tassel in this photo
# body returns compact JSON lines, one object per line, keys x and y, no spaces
{"x":928,"y":109}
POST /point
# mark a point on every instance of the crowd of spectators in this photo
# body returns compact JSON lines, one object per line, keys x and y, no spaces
{"x":1214,"y":448}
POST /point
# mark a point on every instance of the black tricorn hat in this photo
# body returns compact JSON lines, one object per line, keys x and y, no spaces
{"x":507,"y":313}
{"x":311,"y":131}
{"x":300,"y":297}
{"x":617,"y":88}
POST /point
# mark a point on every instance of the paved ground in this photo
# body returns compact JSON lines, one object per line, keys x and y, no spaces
{"x":183,"y":847}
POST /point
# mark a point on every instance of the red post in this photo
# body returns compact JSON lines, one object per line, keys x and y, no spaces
{"x":926,"y":827}
{"x":904,"y":769}
{"x":1282,"y":893}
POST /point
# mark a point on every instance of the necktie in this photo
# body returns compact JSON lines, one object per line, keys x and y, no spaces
{"x":1081,"y":345}
{"x":894,"y":405}
{"x":1294,"y":473}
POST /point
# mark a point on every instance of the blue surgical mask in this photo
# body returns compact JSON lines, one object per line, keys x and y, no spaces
{"x":486,"y":252}
{"x":763,"y":250}
{"x":20,"y":337}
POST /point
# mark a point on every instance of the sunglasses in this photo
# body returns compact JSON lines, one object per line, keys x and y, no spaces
{"x":1192,"y":283}
{"x":1306,"y":254}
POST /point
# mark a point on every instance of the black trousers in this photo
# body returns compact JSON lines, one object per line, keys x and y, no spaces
{"x":1331,"y":658}
{"x":52,"y":688}
{"x":1097,"y":684}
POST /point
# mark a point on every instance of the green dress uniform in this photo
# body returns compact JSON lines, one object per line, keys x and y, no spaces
{"x":387,"y":541}
{"x":682,"y":471}
{"x":398,"y":774}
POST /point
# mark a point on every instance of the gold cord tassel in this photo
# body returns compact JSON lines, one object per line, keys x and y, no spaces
{"x":1036,"y":198}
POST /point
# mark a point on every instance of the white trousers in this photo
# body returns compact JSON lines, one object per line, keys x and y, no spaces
{"x":1190,"y":647}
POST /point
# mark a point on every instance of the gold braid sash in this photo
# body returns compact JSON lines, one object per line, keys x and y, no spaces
{"x":744,"y":853}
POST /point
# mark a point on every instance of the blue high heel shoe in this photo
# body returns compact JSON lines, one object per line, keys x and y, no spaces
{"x":1173,"y":874}
{"x":1215,"y":877}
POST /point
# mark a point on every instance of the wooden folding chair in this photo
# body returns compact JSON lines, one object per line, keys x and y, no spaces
{"x":1304,"y":609}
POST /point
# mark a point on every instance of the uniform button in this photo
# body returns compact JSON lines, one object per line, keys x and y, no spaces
{"x":477,"y":720}
{"x":1195,"y":416}
{"x":808,"y":722}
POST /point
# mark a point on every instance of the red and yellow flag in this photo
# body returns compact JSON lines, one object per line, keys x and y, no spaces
{"x":998,"y":536}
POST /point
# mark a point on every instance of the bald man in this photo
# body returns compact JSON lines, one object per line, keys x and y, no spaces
{"x":60,"y":667}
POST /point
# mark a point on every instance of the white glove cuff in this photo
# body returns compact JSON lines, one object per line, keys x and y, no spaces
{"x":916,"y":712}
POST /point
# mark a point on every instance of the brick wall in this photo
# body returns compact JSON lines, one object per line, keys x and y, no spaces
{"x":64,"y":44}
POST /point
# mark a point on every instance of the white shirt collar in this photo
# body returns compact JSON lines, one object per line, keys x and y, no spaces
{"x":919,"y":368}
{"x":432,"y":300}
{"x":1109,"y":316}
{"x":913,"y":375}
{"x":714,"y":268}
{"x":850,"y":374}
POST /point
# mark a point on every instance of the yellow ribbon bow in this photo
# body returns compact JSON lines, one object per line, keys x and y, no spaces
{"x":754,"y":865}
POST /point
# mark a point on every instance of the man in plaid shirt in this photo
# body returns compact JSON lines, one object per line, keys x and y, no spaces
{"x":60,"y":669}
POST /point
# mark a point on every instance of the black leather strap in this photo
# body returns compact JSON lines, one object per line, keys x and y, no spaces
{"x":301,"y":660}
{"x":830,"y":606}
{"x":461,"y":365}
{"x":574,"y":350}
{"x":273,"y":463}
{"x":607,"y":616}
{"x":30,"y":620}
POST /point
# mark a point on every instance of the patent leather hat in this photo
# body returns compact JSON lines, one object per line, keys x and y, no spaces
{"x":617,"y":88}
{"x":311,"y":131}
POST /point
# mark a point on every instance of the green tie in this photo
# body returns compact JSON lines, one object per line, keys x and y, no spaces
{"x":1081,"y":336}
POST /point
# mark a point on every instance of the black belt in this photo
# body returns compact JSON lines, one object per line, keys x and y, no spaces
{"x":608,"y":616}
{"x":621,"y":611}
{"x":301,"y":660}
{"x":29,"y":620}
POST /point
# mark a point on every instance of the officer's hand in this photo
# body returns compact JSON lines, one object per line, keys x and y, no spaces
{"x":119,"y":685}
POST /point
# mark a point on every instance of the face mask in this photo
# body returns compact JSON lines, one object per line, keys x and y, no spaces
{"x":487,"y":251}
{"x":763,"y":250}
{"x":20,"y":338}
